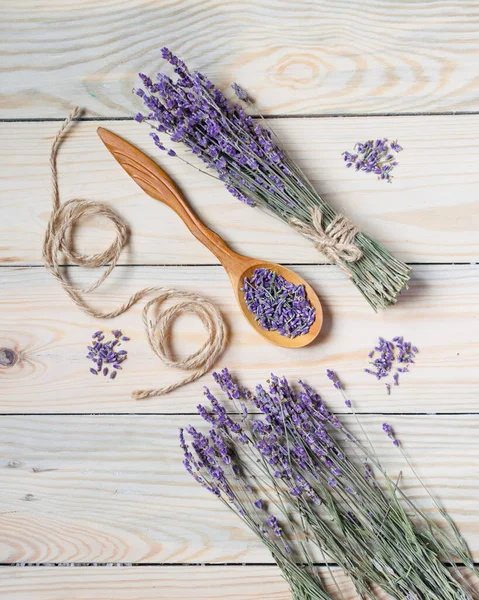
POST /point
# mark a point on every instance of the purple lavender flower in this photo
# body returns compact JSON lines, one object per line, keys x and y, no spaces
{"x":278,"y":304}
{"x":273,"y":523}
{"x":192,"y":111}
{"x":240,"y":92}
{"x":388,"y":430}
{"x":374,"y":157}
{"x":334,"y":378}
{"x":391,"y":353}
{"x":103,"y":353}
{"x":299,"y":442}
{"x":396,"y":147}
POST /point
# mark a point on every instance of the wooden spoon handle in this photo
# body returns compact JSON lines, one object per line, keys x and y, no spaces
{"x":159,"y":185}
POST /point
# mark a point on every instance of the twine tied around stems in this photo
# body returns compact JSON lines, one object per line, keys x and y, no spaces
{"x":58,"y":241}
{"x":335,"y":241}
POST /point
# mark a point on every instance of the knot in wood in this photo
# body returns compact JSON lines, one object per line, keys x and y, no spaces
{"x":8,"y":357}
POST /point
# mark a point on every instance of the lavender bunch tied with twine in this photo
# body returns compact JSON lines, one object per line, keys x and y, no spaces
{"x":239,"y":150}
{"x":313,"y":492}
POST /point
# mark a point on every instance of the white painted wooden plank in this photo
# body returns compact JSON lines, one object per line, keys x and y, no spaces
{"x":114,"y":489}
{"x":293,"y":58}
{"x":430,"y":213}
{"x":439,"y":313}
{"x":151,"y":583}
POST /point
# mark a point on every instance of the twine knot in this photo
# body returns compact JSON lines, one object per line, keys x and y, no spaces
{"x":335,"y":241}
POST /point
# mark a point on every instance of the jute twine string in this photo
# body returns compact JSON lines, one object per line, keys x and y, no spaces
{"x":58,"y":241}
{"x":336,"y":241}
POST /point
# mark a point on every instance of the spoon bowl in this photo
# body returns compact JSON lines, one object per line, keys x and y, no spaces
{"x":273,"y":336}
{"x":159,"y":185}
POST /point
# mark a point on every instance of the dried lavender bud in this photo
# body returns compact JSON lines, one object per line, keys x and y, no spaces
{"x":113,"y":375}
{"x":102,"y":353}
{"x":373,"y":157}
{"x":116,"y":332}
{"x":125,"y":338}
{"x":390,"y":353}
{"x":278,"y":304}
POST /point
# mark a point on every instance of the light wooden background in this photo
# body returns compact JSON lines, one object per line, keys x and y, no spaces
{"x":94,"y":503}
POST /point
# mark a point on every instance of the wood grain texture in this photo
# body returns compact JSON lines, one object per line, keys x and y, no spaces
{"x":96,"y":489}
{"x":439,"y":313}
{"x":430,"y":213}
{"x":152,"y":583}
{"x":296,"y":58}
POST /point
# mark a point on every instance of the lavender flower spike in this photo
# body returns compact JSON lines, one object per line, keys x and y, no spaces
{"x":334,"y":378}
{"x":388,"y":430}
{"x":240,"y":92}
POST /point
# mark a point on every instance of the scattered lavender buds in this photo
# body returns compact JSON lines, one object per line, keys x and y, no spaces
{"x":104,"y":353}
{"x":278,"y":304}
{"x":389,"y":354}
{"x":374,"y":157}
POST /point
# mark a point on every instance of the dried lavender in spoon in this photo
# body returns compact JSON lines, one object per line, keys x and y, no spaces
{"x":106,"y":353}
{"x":278,"y":304}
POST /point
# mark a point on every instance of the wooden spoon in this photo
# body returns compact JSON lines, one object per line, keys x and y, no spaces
{"x":157,"y":184}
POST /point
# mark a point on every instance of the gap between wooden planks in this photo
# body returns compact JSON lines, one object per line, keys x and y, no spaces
{"x":295,"y":58}
{"x":430,"y":213}
{"x":114,"y":489}
{"x":439,"y":313}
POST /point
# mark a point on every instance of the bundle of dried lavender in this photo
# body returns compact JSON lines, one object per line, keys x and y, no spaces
{"x":305,"y":485}
{"x":248,"y":159}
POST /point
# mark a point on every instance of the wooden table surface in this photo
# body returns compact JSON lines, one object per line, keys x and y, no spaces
{"x":94,"y":502}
